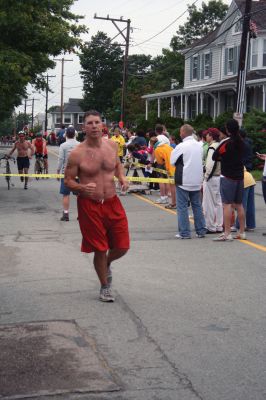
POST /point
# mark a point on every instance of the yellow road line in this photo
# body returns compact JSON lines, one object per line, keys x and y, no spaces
{"x":255,"y":245}
{"x":154,"y":204}
{"x":247,"y":242}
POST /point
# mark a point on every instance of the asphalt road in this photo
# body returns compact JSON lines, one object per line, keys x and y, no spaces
{"x":189,"y":318}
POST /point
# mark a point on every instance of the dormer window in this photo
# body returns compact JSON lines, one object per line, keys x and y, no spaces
{"x":238,"y":26}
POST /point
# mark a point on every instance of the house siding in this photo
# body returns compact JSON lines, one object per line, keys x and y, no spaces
{"x":215,"y":76}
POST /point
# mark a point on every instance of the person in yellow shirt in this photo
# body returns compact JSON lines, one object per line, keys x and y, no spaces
{"x":162,"y":153}
{"x":119,"y":139}
{"x":249,"y":202}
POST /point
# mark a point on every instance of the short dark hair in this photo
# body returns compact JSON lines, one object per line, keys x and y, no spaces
{"x":92,"y":112}
{"x":158,"y":128}
{"x":140,"y":133}
{"x":70,"y":132}
{"x":152,"y":134}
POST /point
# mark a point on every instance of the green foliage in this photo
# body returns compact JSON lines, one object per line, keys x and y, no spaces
{"x":101,"y":63}
{"x":30,"y":33}
{"x":255,"y":125}
{"x":200,"y":22}
{"x":201,"y":121}
{"x":6,"y":127}
{"x":222,"y":118}
{"x":254,"y":121}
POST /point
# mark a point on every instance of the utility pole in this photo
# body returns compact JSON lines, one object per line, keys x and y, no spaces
{"x":46,"y":100}
{"x":125,"y":64}
{"x":32,"y":111}
{"x":243,"y":60}
{"x":62,"y":60}
{"x":25,"y":109}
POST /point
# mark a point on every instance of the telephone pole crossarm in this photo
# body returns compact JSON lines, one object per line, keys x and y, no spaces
{"x":125,"y":63}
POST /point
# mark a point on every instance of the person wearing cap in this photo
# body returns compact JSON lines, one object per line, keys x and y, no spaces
{"x":64,"y":151}
{"x":24,"y":154}
{"x":40,"y":149}
{"x":211,"y":201}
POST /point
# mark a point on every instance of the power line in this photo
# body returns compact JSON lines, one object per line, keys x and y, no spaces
{"x":168,"y":26}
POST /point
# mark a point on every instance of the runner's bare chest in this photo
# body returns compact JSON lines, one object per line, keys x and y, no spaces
{"x":99,"y":160}
{"x":22,"y":149}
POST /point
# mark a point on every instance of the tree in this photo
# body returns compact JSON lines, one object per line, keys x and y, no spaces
{"x":200,"y":22}
{"x":30,"y":33}
{"x":102,"y":66}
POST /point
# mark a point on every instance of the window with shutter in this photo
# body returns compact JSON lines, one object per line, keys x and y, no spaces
{"x":195,"y":67}
{"x":207,"y":65}
{"x":264,"y":54}
{"x":230,"y":64}
{"x":210,"y":65}
{"x":225,"y":60}
{"x":191,"y":67}
{"x":254,"y":56}
{"x":235,"y":60}
{"x":198,"y":67}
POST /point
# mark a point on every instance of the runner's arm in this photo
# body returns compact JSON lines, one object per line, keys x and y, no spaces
{"x":71,"y":172}
{"x":12,"y":150}
{"x":119,"y":174}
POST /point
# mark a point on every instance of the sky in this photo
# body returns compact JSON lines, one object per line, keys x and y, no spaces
{"x":148,"y":18}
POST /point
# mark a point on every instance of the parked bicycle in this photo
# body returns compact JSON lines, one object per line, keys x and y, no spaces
{"x":7,"y":168}
{"x":39,"y":167}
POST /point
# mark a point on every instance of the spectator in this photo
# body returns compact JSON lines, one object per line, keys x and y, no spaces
{"x":140,"y":139}
{"x":230,"y":153}
{"x":162,"y":153}
{"x":248,"y":151}
{"x":187,"y":158}
{"x":212,"y":202}
{"x":201,"y":134}
{"x":248,"y":202}
{"x":64,"y":152}
{"x":263,"y":182}
{"x":61,"y":135}
{"x":118,"y":138}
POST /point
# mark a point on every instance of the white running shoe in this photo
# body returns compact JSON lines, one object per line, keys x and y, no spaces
{"x":106,"y":295}
{"x":162,"y":200}
{"x":223,"y":238}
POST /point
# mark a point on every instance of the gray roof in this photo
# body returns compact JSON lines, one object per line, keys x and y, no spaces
{"x":71,"y":107}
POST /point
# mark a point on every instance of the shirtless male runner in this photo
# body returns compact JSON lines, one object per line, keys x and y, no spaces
{"x":23,"y":157}
{"x":102,"y":219}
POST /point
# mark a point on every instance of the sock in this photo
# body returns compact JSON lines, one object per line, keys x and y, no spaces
{"x":65,"y":211}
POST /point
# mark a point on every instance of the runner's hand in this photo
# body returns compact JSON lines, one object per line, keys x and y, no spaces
{"x":124,"y":184}
{"x":89,"y":188}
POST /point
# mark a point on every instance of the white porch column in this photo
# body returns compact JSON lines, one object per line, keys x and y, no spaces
{"x":219,"y":104}
{"x":264,"y":98}
{"x":159,"y":108}
{"x":201,"y":102}
{"x":147,"y":110}
{"x":186,"y":101}
{"x":172,"y":106}
{"x":214,"y":107}
{"x":181,"y":108}
{"x":197,"y":103}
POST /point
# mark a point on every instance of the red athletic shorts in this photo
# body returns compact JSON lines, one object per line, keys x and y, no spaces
{"x":103,"y":225}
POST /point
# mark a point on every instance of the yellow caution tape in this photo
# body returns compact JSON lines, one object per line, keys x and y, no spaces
{"x":57,"y":176}
{"x":161,"y":171}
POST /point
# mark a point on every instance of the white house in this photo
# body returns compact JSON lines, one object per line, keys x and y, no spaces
{"x":211,"y":67}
